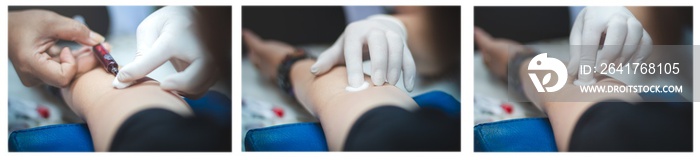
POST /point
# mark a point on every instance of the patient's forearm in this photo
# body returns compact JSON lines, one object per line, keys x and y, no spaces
{"x":570,"y":92}
{"x":104,"y":108}
{"x":325,"y":97}
{"x":563,"y":111}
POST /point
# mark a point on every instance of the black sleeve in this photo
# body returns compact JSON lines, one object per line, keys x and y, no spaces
{"x":390,"y":128}
{"x":648,"y":126}
{"x":163,"y":130}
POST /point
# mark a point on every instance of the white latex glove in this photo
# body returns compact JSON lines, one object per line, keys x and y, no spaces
{"x":625,"y":40}
{"x":170,"y":34}
{"x":385,"y":38}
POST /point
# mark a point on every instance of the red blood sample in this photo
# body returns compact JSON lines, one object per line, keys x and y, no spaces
{"x":105,"y":59}
{"x":507,"y":107}
{"x":43,"y":111}
{"x":278,"y":111}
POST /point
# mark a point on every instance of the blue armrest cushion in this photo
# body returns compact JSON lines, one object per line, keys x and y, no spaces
{"x":517,"y":135}
{"x":76,"y":137}
{"x":213,"y":105}
{"x":60,"y":137}
{"x":310,"y":137}
{"x":441,"y":101}
{"x":288,"y":137}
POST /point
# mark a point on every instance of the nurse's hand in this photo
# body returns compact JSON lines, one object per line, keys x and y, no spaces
{"x":32,"y":35}
{"x":169,"y":34}
{"x":384,"y":37}
{"x":625,"y":40}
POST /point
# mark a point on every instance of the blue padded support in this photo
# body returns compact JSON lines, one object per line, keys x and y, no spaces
{"x":288,"y":137}
{"x":310,"y":137}
{"x":60,"y":137}
{"x":212,"y":105}
{"x":441,"y":101}
{"x":76,"y":137}
{"x":517,"y":135}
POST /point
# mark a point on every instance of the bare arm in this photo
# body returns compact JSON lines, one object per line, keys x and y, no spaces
{"x":92,"y":96}
{"x":337,"y":109}
{"x":564,"y":115}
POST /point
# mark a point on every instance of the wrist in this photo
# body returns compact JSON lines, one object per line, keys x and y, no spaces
{"x":515,"y":66}
{"x":284,"y":70}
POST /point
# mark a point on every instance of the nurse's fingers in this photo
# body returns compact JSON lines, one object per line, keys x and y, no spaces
{"x":329,"y":58}
{"x":352,"y":48}
{"x":377,"y":44}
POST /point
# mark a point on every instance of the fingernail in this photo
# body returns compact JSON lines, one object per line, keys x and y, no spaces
{"x":121,"y":76}
{"x":120,"y":85}
{"x":378,"y":78}
{"x":409,"y":84}
{"x":96,"y":37}
{"x":584,"y":80}
{"x":314,"y":69}
{"x":167,"y":85}
{"x":392,"y":76}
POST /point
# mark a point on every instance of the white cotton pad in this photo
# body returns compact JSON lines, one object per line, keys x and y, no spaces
{"x":119,"y":85}
{"x":364,"y":86}
{"x":366,"y":67}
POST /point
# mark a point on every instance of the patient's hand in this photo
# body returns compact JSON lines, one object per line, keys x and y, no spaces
{"x":84,"y":57}
{"x":266,"y":55}
{"x":496,"y":52}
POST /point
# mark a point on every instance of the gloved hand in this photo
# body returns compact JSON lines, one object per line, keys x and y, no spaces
{"x":625,"y":41}
{"x":170,"y":34}
{"x":385,"y":38}
{"x":32,"y":35}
